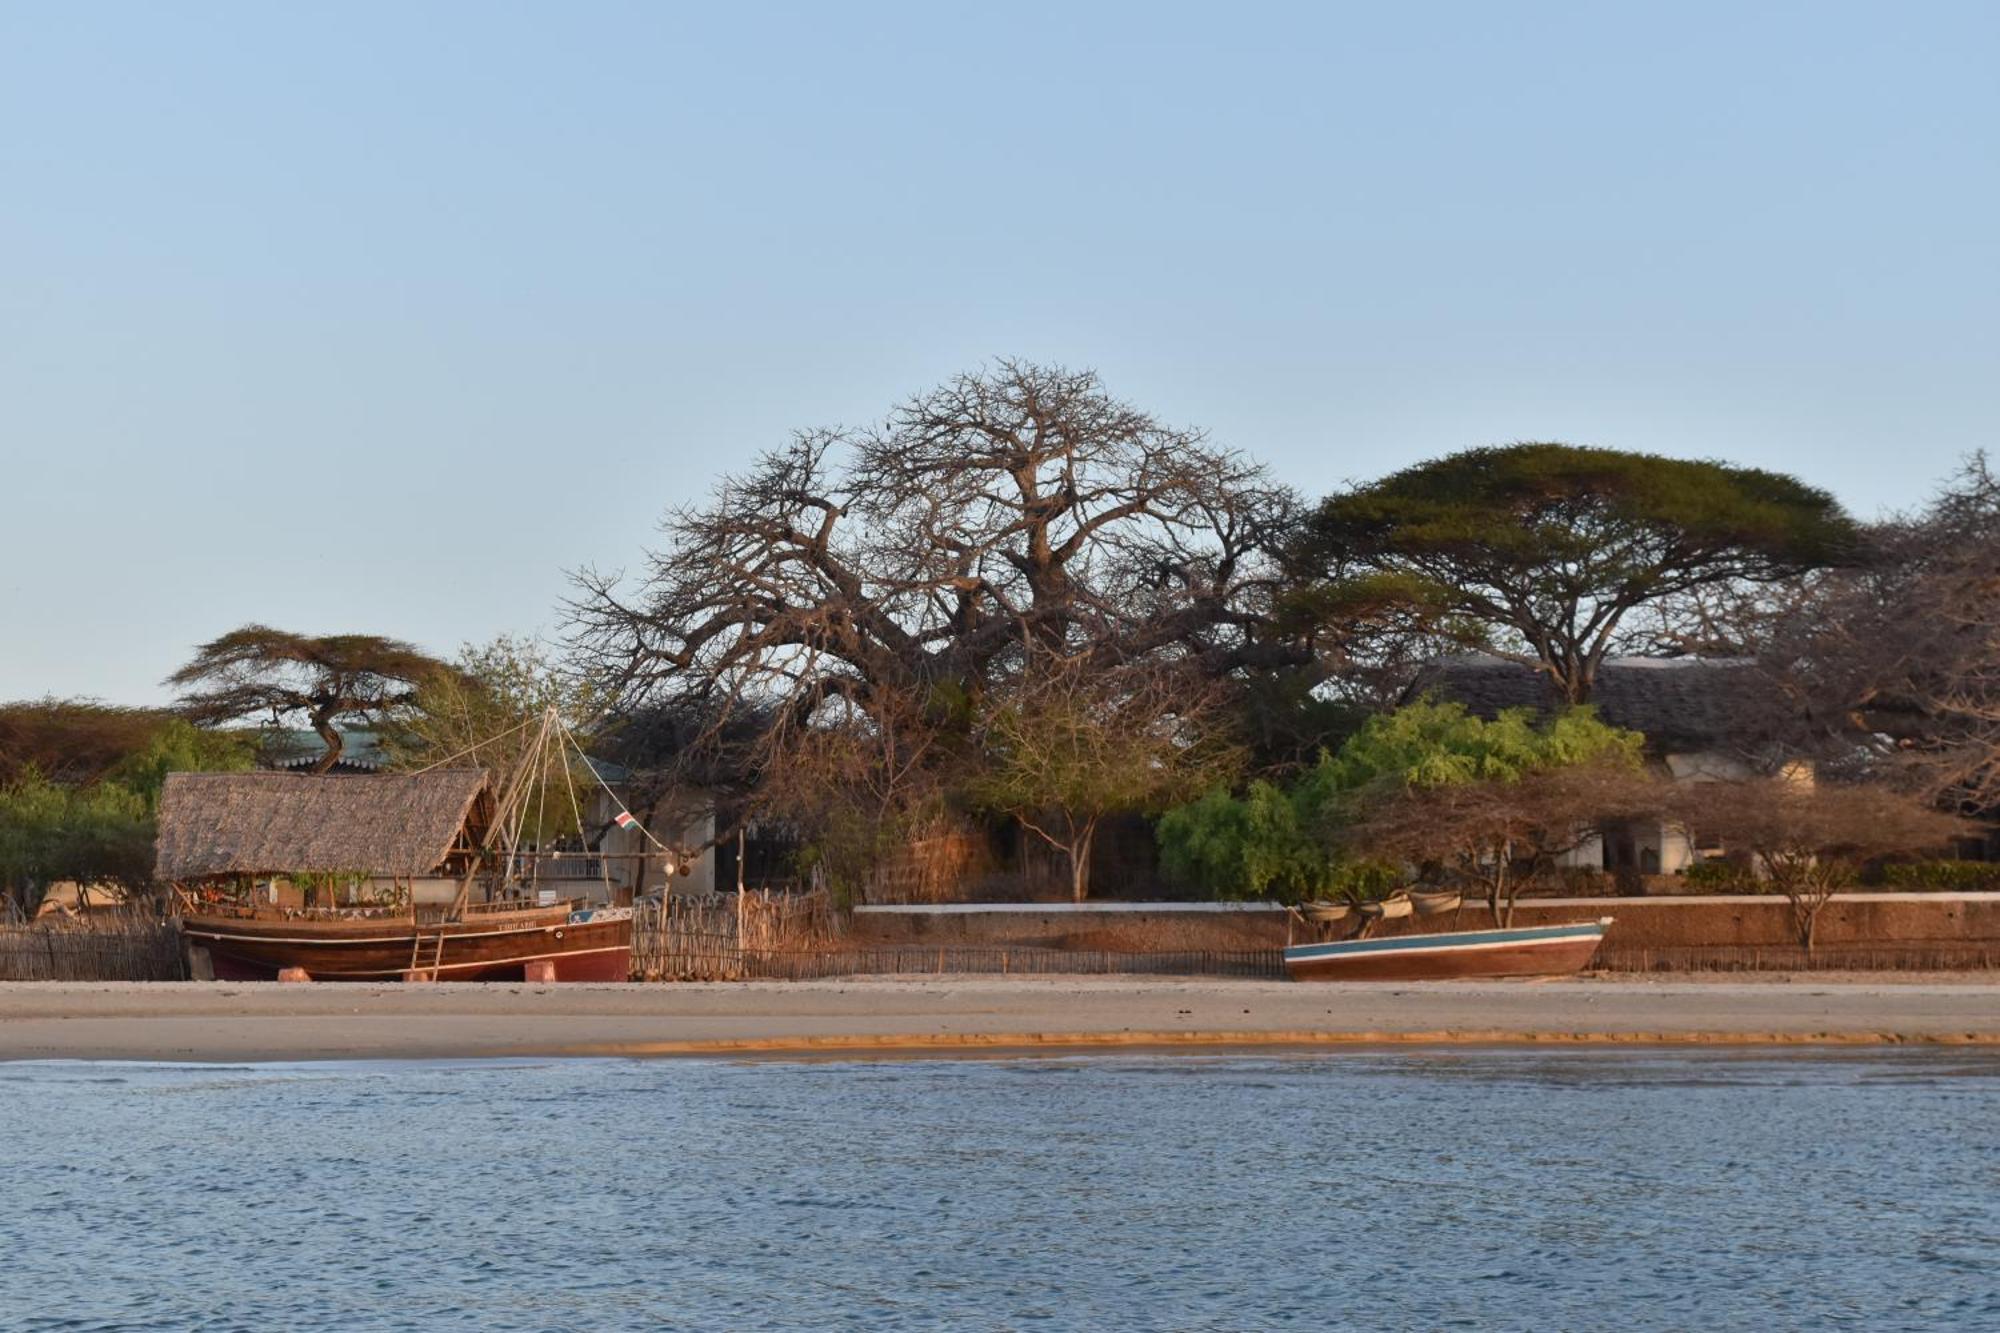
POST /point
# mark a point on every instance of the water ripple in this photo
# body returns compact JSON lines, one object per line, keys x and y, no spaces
{"x":1421,"y":1189}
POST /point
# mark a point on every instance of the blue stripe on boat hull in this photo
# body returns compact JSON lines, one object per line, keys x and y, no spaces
{"x":1448,"y":939}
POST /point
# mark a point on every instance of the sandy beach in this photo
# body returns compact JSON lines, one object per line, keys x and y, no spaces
{"x":225,"y":1022}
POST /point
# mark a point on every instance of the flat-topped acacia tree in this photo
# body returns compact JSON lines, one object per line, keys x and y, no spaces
{"x":1540,"y":551}
{"x":257,"y":671}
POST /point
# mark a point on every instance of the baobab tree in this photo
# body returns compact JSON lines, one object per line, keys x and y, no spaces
{"x":888,"y":579}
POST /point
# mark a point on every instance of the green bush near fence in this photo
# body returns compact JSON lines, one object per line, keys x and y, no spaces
{"x":1721,"y":877}
{"x":1942,"y":875}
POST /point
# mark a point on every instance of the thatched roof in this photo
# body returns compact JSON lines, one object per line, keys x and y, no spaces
{"x":1681,"y":703}
{"x":275,"y":823}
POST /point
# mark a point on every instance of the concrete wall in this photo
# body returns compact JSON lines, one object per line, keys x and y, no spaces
{"x":1932,"y":919}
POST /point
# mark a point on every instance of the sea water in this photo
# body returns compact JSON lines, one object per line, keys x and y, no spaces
{"x":1471,"y":1189}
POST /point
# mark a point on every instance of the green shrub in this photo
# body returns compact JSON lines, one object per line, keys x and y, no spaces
{"x":1720,"y":876}
{"x":1942,"y":875}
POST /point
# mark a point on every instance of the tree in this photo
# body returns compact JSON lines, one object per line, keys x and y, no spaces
{"x":1314,"y":836}
{"x":1900,"y":655}
{"x":880,"y":583}
{"x":1809,"y":841}
{"x":1071,"y":743}
{"x":257,"y":670}
{"x":71,"y":741}
{"x":102,"y":833}
{"x":1492,"y":835}
{"x":98,"y":828}
{"x":485,"y":712}
{"x":1539,"y":552}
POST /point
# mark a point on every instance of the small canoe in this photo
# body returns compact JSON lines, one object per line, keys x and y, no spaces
{"x":1528,"y":951}
{"x":1436,"y":904}
{"x":1389,"y":909}
{"x":1325,"y":913}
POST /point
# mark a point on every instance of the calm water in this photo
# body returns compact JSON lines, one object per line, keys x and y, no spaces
{"x":1483,"y":1190}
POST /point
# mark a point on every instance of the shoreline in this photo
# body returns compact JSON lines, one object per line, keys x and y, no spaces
{"x":981,"y":1016}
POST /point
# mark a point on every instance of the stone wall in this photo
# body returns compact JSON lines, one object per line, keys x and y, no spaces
{"x":1735,"y":922}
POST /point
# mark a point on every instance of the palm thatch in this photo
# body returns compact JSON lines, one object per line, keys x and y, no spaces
{"x":1682,"y":703}
{"x":290,"y":823}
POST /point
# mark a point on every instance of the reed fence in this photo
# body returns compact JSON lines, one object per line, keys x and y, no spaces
{"x":923,"y":960}
{"x":710,"y":937}
{"x":104,"y":946}
{"x":1792,"y":958}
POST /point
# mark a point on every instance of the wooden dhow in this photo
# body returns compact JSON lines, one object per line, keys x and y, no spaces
{"x":491,"y":942}
{"x":453,"y":833}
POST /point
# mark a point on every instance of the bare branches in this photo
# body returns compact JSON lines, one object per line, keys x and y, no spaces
{"x":1809,"y":840}
{"x":890,"y":579}
{"x":1905,"y":650}
{"x":1491,"y":835}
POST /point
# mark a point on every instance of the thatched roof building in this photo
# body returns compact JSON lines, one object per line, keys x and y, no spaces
{"x":1682,"y":703}
{"x":401,"y":825}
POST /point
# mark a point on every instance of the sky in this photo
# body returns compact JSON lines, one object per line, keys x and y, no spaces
{"x":380,"y":318}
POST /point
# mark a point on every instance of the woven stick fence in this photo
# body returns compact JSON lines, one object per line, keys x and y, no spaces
{"x":709,"y":937}
{"x":922,"y":960}
{"x":104,"y":946}
{"x":1791,"y":958}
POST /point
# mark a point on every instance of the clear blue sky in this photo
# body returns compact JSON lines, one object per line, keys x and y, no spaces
{"x":379,"y":317}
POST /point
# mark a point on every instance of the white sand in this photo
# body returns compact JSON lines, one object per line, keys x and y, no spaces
{"x":225,"y":1021}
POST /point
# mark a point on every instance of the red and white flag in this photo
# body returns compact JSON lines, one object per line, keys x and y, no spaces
{"x":624,"y":819}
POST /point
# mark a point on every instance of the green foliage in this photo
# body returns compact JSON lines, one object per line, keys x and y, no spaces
{"x":1431,"y":743}
{"x":1942,"y":876}
{"x":1247,"y":846}
{"x":1278,"y":842}
{"x":98,"y":827}
{"x":483,"y":713}
{"x":1720,"y":876}
{"x":1544,"y":548}
{"x":179,"y":746}
{"x":94,"y":834}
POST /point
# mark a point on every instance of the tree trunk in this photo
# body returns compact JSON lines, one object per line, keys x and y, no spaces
{"x":322,"y":722}
{"x":1805,"y":920}
{"x":1079,"y":861}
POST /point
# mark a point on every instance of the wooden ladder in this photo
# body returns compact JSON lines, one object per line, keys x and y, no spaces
{"x":437,"y":953}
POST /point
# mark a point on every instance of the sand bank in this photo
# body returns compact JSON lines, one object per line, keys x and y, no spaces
{"x":224,"y":1022}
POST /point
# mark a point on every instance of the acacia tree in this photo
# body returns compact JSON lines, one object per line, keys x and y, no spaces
{"x":92,"y":820}
{"x":259,"y":671}
{"x":885,"y":580}
{"x":1069,"y":744}
{"x":1809,"y":841}
{"x":1494,"y":835}
{"x":1540,"y":552}
{"x":71,"y":741}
